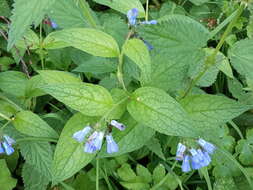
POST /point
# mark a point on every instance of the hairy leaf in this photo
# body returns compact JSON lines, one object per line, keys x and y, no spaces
{"x":92,"y":41}
{"x":69,"y":155}
{"x":156,"y":109}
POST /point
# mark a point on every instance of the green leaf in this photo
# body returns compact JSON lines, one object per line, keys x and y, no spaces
{"x":6,"y":181}
{"x":212,"y":109}
{"x":155,"y":146}
{"x":241,"y":57}
{"x":225,"y":184}
{"x":199,"y":2}
{"x":132,"y":138}
{"x":166,"y":74}
{"x":126,"y":173}
{"x":181,"y":43}
{"x":94,"y":42}
{"x":123,"y":6}
{"x":57,"y":77}
{"x":69,"y":155}
{"x":156,"y":109}
{"x":25,"y":14}
{"x":13,"y":82}
{"x":144,"y":172}
{"x":244,"y":148}
{"x":39,"y":156}
{"x":32,"y":87}
{"x":30,"y":39}
{"x":31,"y":124}
{"x":137,"y":51}
{"x":33,"y":180}
{"x":67,"y":14}
{"x":91,"y":100}
{"x":4,"y":8}
{"x":158,"y":173}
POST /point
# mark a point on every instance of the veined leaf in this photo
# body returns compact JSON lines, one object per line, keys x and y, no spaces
{"x":91,"y":100}
{"x":137,"y":51}
{"x":69,"y":155}
{"x":123,"y":6}
{"x":31,"y":124}
{"x":57,"y":77}
{"x":177,"y":37}
{"x":92,"y":41}
{"x":156,"y":109}
{"x":241,"y":57}
{"x":24,"y":14}
{"x":6,"y":181}
{"x":212,"y":109}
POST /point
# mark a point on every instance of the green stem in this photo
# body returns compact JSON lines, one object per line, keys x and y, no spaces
{"x":36,"y":139}
{"x":41,"y":49}
{"x":207,"y":178}
{"x":5,"y":117}
{"x":146,"y":15}
{"x":211,"y":59}
{"x":87,"y":13}
{"x":97,"y":174}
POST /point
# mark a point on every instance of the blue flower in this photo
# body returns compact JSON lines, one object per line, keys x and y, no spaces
{"x":180,"y":151}
{"x":9,"y":140}
{"x":94,"y":142}
{"x":149,"y":46}
{"x":54,"y":25}
{"x":1,"y":149}
{"x":195,"y":159}
{"x":186,"y":167}
{"x":208,"y":147}
{"x":149,"y":22}
{"x":132,"y":15}
{"x":205,"y":161}
{"x":112,"y":146}
{"x":118,"y":125}
{"x":8,"y":148}
{"x":80,"y":135}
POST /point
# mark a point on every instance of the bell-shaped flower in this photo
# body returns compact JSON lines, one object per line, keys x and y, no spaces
{"x":180,"y":151}
{"x":208,"y":147}
{"x":195,"y":159}
{"x":80,"y":135}
{"x":132,"y":16}
{"x":1,"y":149}
{"x":186,"y":167}
{"x":112,"y":146}
{"x":118,"y":125}
{"x":8,"y":148}
{"x":9,"y":140}
{"x":94,"y":142}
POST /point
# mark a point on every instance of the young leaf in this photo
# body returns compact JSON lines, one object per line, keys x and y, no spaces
{"x":91,"y":100}
{"x":31,"y":124}
{"x":156,"y":109}
{"x":123,"y":6}
{"x":69,"y":155}
{"x":92,"y":41}
{"x":25,"y":14}
{"x":212,"y":109}
{"x":241,"y":57}
{"x":6,"y":181}
{"x":137,"y":51}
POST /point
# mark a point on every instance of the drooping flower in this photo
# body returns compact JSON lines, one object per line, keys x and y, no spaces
{"x":132,"y":16}
{"x":180,"y":151}
{"x":118,"y":125}
{"x":112,"y":146}
{"x":205,"y":161}
{"x":195,"y":159}
{"x":54,"y":25}
{"x":208,"y":147}
{"x":80,"y":135}
{"x":186,"y":167}
{"x":8,"y":148}
{"x":149,"y":22}
{"x":94,"y":142}
{"x":149,"y":46}
{"x":9,"y":140}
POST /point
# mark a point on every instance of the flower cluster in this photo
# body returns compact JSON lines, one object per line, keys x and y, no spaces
{"x":195,"y":158}
{"x":132,"y":15}
{"x":95,"y":140}
{"x":6,"y":145}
